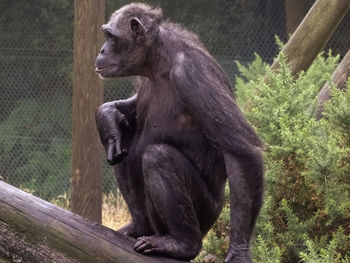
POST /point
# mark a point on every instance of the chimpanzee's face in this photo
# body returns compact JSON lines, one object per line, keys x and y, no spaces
{"x":123,"y":52}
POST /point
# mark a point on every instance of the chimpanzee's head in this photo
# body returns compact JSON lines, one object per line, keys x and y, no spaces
{"x":129,"y":35}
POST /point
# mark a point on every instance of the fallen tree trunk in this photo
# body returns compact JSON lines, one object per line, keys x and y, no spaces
{"x":313,"y":34}
{"x":339,"y":78}
{"x":33,"y":230}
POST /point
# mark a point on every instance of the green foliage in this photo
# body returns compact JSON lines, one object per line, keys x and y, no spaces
{"x":31,"y":154}
{"x":215,"y":245}
{"x":55,"y":19}
{"x":252,"y":72}
{"x":338,"y":110}
{"x":306,"y":212}
{"x":266,"y":251}
{"x":307,"y":161}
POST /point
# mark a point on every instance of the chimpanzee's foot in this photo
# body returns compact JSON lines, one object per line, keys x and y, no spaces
{"x":135,"y":230}
{"x":168,"y":246}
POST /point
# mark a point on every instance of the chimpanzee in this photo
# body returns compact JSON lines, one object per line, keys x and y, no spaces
{"x":178,"y":139}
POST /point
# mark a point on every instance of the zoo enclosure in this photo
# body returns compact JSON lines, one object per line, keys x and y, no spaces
{"x":36,"y":58}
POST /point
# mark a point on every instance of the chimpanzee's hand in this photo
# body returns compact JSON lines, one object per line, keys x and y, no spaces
{"x":110,"y":122}
{"x":112,"y":141}
{"x":114,"y":152}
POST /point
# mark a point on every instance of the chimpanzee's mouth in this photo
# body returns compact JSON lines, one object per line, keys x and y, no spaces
{"x":99,"y":70}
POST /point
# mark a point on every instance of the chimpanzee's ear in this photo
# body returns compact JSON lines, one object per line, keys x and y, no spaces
{"x":136,"y":27}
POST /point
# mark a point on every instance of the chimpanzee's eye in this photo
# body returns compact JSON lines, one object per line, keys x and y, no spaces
{"x":109,"y":35}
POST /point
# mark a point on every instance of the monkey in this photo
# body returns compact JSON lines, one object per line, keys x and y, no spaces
{"x":176,"y":142}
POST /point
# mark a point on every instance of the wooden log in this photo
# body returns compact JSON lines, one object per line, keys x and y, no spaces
{"x":17,"y":248}
{"x":33,"y":230}
{"x":338,"y":78}
{"x":312,"y":34}
{"x":86,"y":192}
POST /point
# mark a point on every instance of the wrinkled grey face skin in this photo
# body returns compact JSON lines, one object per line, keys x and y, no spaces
{"x":108,"y":62}
{"x":123,"y":52}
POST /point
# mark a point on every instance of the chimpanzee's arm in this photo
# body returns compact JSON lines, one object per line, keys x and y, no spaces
{"x":116,"y":122}
{"x":128,"y":107}
{"x":203,"y":88}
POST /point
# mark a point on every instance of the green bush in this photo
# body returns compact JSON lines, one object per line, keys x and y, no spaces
{"x":306,"y":213}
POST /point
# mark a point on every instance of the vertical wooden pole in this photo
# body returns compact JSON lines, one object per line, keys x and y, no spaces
{"x":86,"y":188}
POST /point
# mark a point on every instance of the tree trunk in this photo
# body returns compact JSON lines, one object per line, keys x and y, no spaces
{"x":313,"y":33}
{"x":86,"y":192}
{"x":33,"y":230}
{"x":339,"y":78}
{"x":295,"y":12}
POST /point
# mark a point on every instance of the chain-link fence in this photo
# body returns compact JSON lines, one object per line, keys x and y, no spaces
{"x":36,"y":56}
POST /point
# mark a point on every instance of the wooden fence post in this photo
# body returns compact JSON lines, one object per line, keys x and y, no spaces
{"x":313,"y":34}
{"x":86,"y":188}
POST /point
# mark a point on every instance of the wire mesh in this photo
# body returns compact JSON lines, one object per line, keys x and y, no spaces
{"x":36,"y":56}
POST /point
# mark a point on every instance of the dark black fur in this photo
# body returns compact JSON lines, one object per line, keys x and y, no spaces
{"x":184,"y":135}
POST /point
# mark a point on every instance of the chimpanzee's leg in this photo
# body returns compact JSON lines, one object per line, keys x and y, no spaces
{"x":131,"y":185}
{"x":174,"y":190}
